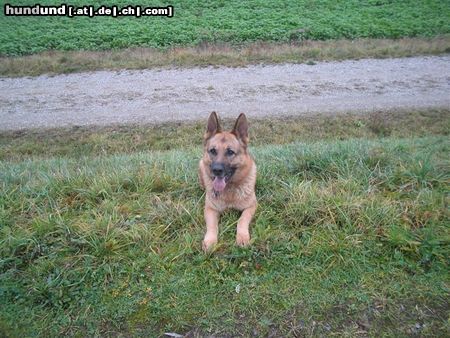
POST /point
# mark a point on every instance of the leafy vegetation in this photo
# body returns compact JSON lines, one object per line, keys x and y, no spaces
{"x":236,"y":22}
{"x":350,"y":237}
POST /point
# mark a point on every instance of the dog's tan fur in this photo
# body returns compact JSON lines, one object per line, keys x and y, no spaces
{"x":239,"y":192}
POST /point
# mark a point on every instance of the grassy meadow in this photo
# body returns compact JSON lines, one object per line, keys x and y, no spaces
{"x":351,"y":236}
{"x":222,"y":33}
{"x":101,"y":228}
{"x":234,"y":22}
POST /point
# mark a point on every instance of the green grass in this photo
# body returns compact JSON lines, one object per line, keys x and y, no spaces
{"x":235,"y":22}
{"x":93,"y":141}
{"x":56,"y":62}
{"x":351,"y":237}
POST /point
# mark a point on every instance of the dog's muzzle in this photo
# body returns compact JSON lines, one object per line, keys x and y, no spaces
{"x":221,"y":175}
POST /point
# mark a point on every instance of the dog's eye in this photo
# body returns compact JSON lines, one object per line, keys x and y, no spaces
{"x":213,"y":151}
{"x":230,"y":152}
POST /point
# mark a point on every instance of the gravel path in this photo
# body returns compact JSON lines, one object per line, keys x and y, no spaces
{"x":107,"y":97}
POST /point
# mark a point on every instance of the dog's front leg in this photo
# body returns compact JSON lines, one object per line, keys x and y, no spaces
{"x":212,"y":228}
{"x":242,"y":232}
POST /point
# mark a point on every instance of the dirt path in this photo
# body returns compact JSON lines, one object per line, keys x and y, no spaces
{"x":105,"y":97}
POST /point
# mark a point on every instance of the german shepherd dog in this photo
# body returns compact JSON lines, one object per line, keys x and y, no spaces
{"x":227,"y":172}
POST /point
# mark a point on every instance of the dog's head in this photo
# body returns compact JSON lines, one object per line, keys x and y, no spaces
{"x":225,"y":152}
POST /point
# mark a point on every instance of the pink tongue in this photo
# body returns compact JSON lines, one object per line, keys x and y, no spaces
{"x":219,"y":183}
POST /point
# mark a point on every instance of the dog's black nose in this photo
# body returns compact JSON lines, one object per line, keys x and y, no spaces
{"x":218,"y":169}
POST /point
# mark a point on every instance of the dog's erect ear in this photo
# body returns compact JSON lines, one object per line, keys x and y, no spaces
{"x":241,"y":128}
{"x":213,"y":126}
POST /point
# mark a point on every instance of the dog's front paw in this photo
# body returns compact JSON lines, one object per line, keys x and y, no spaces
{"x":242,"y":238}
{"x":208,"y":243}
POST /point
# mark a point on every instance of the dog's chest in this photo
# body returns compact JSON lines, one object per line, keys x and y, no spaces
{"x":236,"y":198}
